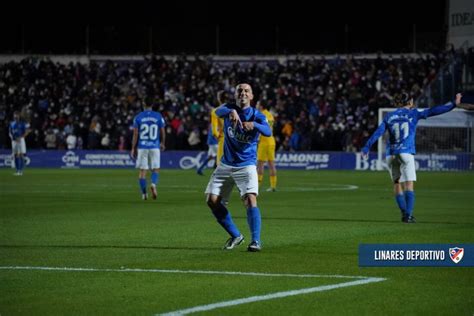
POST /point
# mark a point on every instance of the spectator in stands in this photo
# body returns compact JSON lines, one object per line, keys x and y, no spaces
{"x":318,"y":95}
{"x":50,"y":139}
{"x":71,"y":141}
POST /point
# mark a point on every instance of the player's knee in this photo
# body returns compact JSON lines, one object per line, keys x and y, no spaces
{"x":250,"y":200}
{"x":212,"y":201}
{"x":408,"y":186}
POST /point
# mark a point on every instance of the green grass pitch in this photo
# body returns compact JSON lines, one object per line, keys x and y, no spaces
{"x":313,"y":225}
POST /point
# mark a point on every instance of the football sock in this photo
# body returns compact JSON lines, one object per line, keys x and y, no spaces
{"x":142,"y":183}
{"x":410,"y":201}
{"x":17,"y":164}
{"x":400,"y":198}
{"x":204,"y":164}
{"x":155,"y":177}
{"x":260,"y":178}
{"x":255,"y":222}
{"x":273,"y":182}
{"x":22,"y":163}
{"x":225,"y":220}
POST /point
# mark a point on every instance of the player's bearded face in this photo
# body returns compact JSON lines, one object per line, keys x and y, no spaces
{"x":243,"y":94}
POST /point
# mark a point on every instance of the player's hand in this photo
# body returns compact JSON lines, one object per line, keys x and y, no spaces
{"x":133,"y":153}
{"x":458,"y":98}
{"x":248,"y":126}
{"x":235,"y":119}
{"x":162,"y":147}
{"x":365,"y":156}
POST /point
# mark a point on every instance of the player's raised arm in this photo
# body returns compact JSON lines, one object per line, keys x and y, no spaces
{"x":465,"y":106}
{"x":440,"y":109}
{"x":378,"y":132}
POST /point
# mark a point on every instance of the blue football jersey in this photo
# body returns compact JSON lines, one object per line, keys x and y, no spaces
{"x":148,"y":124}
{"x":240,"y":147}
{"x":401,"y":125}
{"x":17,"y":128}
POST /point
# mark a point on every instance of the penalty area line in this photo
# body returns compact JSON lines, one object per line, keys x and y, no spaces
{"x":357,"y":280}
{"x":270,"y":296}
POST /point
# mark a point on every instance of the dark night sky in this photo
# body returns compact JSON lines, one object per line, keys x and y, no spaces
{"x":244,"y":28}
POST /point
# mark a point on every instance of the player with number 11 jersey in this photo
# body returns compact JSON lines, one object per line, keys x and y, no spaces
{"x":400,"y":151}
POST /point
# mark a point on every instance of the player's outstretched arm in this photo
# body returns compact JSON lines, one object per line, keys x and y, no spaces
{"x":440,"y":109}
{"x":378,"y":132}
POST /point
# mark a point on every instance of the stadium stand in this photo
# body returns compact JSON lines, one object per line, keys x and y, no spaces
{"x":320,"y":103}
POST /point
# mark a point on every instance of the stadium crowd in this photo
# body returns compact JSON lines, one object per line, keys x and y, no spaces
{"x":319,"y":104}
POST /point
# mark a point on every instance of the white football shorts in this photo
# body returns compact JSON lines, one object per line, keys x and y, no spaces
{"x":224,"y":177}
{"x":19,"y":147}
{"x":402,"y":167}
{"x":148,"y":159}
{"x":212,"y":151}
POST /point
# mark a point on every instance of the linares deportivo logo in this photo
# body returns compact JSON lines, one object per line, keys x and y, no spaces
{"x":456,"y":254}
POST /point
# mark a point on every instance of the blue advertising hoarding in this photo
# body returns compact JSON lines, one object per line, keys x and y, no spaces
{"x":192,"y":159}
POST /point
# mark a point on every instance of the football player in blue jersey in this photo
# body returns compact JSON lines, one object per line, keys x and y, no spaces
{"x":400,"y":151}
{"x":18,"y":130}
{"x":149,"y":135}
{"x":243,"y":125}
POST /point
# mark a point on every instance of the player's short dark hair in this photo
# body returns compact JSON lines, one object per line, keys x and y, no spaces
{"x":401,"y":99}
{"x":263,"y":104}
{"x":222,"y":96}
{"x":148,"y":102}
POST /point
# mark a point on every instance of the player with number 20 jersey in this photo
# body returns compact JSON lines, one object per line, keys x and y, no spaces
{"x":148,"y":126}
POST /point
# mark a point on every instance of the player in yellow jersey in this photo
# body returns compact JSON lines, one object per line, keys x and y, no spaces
{"x":218,"y":126}
{"x":266,"y":150}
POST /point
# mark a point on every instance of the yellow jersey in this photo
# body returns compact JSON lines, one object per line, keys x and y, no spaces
{"x":217,"y":125}
{"x":271,"y":120}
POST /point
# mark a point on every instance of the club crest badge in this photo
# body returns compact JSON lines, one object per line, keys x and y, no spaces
{"x":456,"y":254}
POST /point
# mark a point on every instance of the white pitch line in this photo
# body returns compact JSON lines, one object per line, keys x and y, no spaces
{"x":251,"y":299}
{"x":256,"y":274}
{"x":342,"y":187}
{"x":361,"y":280}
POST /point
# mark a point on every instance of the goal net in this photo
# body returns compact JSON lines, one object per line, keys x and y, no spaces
{"x":443,"y":142}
